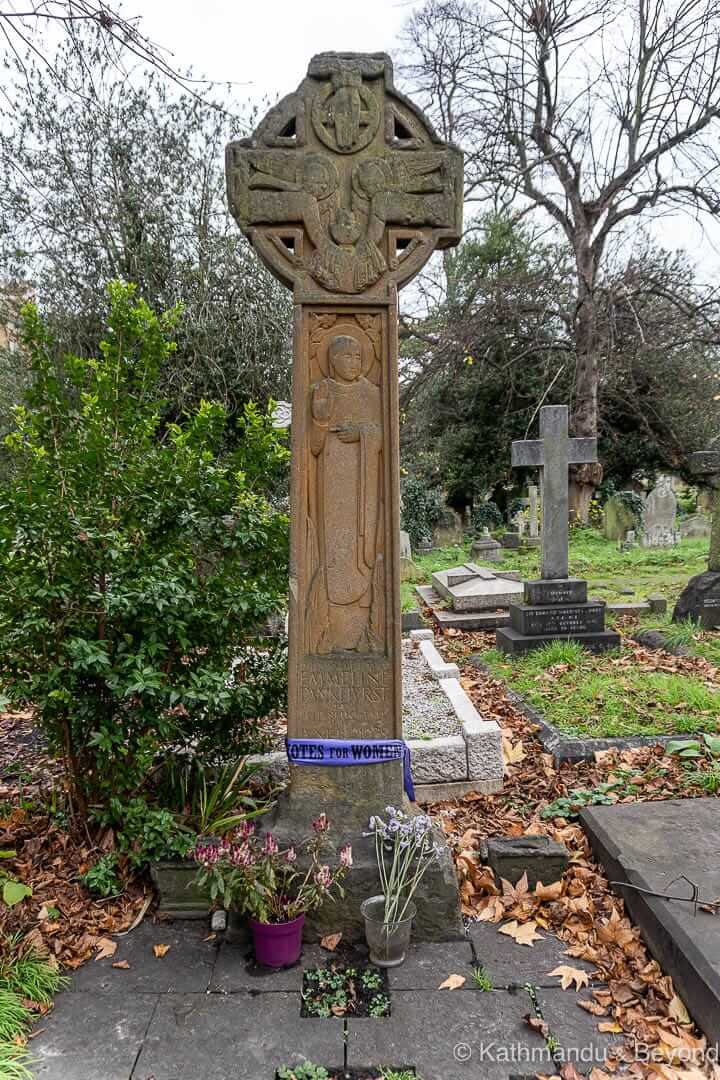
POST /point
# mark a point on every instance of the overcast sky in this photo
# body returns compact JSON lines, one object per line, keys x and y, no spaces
{"x":265,"y":45}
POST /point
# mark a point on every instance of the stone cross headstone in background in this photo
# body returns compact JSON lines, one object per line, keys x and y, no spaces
{"x":554,"y":452}
{"x":658,"y":517}
{"x":700,"y":600}
{"x":344,"y":191}
{"x":534,"y":510}
{"x":556,"y":606}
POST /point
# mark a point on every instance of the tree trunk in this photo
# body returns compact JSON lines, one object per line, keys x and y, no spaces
{"x":584,"y":479}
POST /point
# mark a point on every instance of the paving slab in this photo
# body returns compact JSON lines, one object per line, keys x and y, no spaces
{"x":449,"y":1035}
{"x":426,"y":966}
{"x":90,"y":1036}
{"x":242,"y":1037}
{"x":576,"y":1030}
{"x":509,"y":964}
{"x":187,"y":966}
{"x":650,"y":845}
{"x":460,"y":620}
{"x":236,"y":970}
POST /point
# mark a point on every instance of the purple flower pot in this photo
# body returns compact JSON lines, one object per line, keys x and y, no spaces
{"x":277,"y":945}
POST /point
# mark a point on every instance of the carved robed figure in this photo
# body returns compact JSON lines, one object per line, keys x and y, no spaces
{"x":344,"y":191}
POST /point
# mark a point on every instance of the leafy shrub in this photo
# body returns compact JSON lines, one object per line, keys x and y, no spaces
{"x":138,"y":560}
{"x":422,"y":509}
{"x":102,"y":878}
{"x":486,"y":516}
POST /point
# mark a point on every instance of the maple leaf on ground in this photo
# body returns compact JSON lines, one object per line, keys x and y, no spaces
{"x":516,"y":892}
{"x":522,"y":933}
{"x":105,"y":948}
{"x":569,"y":975}
{"x":513,"y":754}
{"x":330,"y":942}
{"x":453,"y":982}
{"x":161,"y":950}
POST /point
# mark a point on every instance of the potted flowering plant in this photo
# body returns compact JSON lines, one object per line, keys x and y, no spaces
{"x":249,"y":873}
{"x":404,"y":849}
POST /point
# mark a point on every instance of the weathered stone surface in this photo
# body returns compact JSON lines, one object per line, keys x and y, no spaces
{"x":460,"y":620}
{"x":652,"y":845}
{"x":510,"y":540}
{"x":695,"y":527}
{"x":487,"y":548}
{"x":344,"y":190}
{"x":409,"y":570}
{"x":700,"y":600}
{"x":658,"y":604}
{"x":179,"y":896}
{"x":439,"y":760}
{"x":405,"y":548}
{"x":554,"y":452}
{"x":541,"y":858}
{"x":658,"y":517}
{"x":471,"y":588}
{"x":533,"y":512}
{"x":412,"y":620}
{"x":484,"y":749}
{"x":618,"y":517}
{"x":556,"y":591}
{"x":449,"y":531}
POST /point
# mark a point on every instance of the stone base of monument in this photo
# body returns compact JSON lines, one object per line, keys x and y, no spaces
{"x":700,"y":601}
{"x":350,"y":797}
{"x":556,"y":610}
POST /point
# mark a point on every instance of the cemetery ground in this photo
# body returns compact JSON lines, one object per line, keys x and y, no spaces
{"x":557,"y":970}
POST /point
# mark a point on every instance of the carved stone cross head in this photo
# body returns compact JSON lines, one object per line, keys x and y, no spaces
{"x":344,"y":187}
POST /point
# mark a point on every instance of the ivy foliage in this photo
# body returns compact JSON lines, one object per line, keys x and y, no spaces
{"x":137,"y":560}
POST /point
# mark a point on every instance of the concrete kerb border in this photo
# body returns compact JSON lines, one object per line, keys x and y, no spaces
{"x":443,"y":768}
{"x":567,"y":747}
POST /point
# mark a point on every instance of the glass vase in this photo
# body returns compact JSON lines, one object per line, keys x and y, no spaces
{"x":388,"y":942}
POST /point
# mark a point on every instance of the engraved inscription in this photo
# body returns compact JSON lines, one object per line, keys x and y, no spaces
{"x":559,"y":620}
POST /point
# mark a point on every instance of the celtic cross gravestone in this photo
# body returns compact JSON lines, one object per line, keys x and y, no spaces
{"x":344,"y":191}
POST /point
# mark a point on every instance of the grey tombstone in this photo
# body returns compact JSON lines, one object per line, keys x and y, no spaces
{"x":405,"y":547}
{"x":695,"y":527}
{"x":534,"y":523}
{"x":556,"y":606}
{"x":487,"y":548}
{"x":659,"y":512}
{"x":618,"y":517}
{"x":700,"y":599}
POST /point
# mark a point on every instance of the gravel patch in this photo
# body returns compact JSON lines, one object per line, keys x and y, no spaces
{"x":427,"y":712}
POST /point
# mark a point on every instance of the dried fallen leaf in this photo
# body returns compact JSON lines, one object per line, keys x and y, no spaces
{"x":549,"y":892}
{"x":123,"y":964}
{"x":331,"y":942}
{"x":677,"y":1010}
{"x":522,"y":933}
{"x":105,"y":948}
{"x":453,"y":982}
{"x":610,"y":1027}
{"x":161,"y":950}
{"x":569,"y":975}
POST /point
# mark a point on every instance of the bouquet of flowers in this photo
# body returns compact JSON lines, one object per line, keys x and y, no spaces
{"x":249,"y":873}
{"x":404,"y":849}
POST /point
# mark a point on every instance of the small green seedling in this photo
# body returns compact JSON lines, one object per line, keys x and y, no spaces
{"x":306,"y":1071}
{"x":482,"y":978}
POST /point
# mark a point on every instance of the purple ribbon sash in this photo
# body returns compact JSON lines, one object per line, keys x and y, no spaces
{"x":352,"y":752}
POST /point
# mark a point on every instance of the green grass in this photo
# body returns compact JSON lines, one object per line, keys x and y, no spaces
{"x":704,"y":643}
{"x":586,"y":695}
{"x":24,"y":976}
{"x":644,"y":570}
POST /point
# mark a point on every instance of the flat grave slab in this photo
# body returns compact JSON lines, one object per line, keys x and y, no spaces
{"x":482,"y":591}
{"x":651,"y":845}
{"x":515,"y":966}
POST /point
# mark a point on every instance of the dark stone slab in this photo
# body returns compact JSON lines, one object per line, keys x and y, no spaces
{"x":511,"y":965}
{"x":186,"y":968}
{"x":516,"y":644}
{"x":412,"y":620}
{"x":656,"y":640}
{"x":180,"y":897}
{"x":576,"y":1030}
{"x":533,"y":620}
{"x":542,"y":859}
{"x":556,"y":591}
{"x":207,"y":1036}
{"x":650,"y":845}
{"x":700,"y":600}
{"x":426,"y":966}
{"x":447,"y":1035}
{"x":236,"y":970}
{"x":510,"y":540}
{"x":90,"y":1036}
